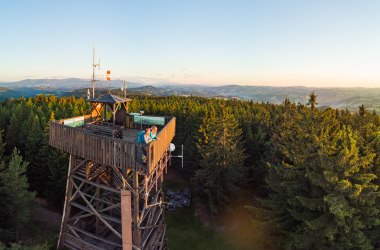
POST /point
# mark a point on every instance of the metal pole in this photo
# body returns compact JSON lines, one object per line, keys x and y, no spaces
{"x":93,"y":73}
{"x":141,"y":114}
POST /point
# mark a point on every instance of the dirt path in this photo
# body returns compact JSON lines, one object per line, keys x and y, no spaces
{"x":45,"y":214}
{"x":43,"y":226}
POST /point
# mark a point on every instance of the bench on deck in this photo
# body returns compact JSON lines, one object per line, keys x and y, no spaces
{"x":98,"y":128}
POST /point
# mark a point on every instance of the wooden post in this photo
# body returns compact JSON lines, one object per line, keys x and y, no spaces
{"x":67,"y":207}
{"x":97,"y":206}
{"x":136,"y":210}
{"x":105,"y":112}
{"x":114,"y":113}
{"x":126,"y":219}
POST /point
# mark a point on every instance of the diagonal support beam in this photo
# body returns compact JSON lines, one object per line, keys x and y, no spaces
{"x":98,"y":215}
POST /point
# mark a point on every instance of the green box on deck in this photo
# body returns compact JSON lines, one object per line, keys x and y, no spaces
{"x":75,"y":122}
{"x":148,"y":120}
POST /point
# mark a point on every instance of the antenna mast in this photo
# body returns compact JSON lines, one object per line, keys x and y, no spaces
{"x":124,"y":88}
{"x":93,"y":81}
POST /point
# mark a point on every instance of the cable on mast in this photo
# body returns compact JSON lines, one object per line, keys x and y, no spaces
{"x":124,"y":88}
{"x":94,"y":65}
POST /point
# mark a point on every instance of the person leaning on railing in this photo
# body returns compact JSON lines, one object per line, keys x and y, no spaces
{"x":147,"y":139}
{"x":153,"y":133}
{"x":147,"y":136}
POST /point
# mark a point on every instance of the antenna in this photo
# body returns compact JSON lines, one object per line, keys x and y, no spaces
{"x":108,"y":77}
{"x":124,"y":88}
{"x":93,"y":81}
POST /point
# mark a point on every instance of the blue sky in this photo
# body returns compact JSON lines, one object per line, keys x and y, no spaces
{"x":312,"y":43}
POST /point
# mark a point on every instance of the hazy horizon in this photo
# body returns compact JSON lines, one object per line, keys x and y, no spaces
{"x":271,"y":43}
{"x":162,"y":83}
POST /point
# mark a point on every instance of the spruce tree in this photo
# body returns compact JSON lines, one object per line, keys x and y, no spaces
{"x":57,"y":177}
{"x":312,"y":100}
{"x":37,"y":154}
{"x":3,"y":212}
{"x":322,"y":193}
{"x":221,"y":158}
{"x":16,"y":199}
{"x":1,"y":145}
{"x":13,"y":133}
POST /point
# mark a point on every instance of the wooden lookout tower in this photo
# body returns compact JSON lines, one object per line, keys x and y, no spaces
{"x":113,"y":197}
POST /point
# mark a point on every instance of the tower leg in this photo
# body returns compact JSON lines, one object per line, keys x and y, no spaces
{"x":107,"y":209}
{"x":67,"y":206}
{"x":126,"y":218}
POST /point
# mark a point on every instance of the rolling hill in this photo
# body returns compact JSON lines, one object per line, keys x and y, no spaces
{"x":350,"y":98}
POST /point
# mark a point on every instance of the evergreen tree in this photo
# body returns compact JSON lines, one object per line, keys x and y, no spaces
{"x":37,"y":155}
{"x":312,"y":100}
{"x":15,"y":197}
{"x":222,"y":156}
{"x":13,"y":133}
{"x":3,"y":212}
{"x":322,"y":192}
{"x":56,"y":181}
{"x":1,"y":145}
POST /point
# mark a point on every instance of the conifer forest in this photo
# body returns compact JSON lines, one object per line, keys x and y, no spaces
{"x":308,"y":177}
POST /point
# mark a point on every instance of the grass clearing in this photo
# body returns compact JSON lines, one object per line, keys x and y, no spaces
{"x":231,"y":228}
{"x":184,"y":232}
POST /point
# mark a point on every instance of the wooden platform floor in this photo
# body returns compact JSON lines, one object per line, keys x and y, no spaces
{"x":130,"y":134}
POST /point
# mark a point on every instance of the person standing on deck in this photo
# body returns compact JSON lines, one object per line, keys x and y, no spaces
{"x":147,"y":139}
{"x":153,"y":133}
{"x":147,"y":136}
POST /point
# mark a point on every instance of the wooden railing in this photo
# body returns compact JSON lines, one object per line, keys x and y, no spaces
{"x":101,"y":149}
{"x":159,"y":147}
{"x":107,"y":150}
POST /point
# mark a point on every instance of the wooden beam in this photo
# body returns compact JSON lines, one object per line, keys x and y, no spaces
{"x":98,"y":215}
{"x":79,"y":165}
{"x":97,"y":172}
{"x":76,"y":191}
{"x":73,"y":242}
{"x":89,"y":213}
{"x":67,"y":207}
{"x":93,"y":235}
{"x":98,"y":185}
{"x":125,"y":181}
{"x":136,"y":232}
{"x":126,"y":218}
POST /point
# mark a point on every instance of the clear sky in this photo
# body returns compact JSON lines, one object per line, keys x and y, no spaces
{"x":317,"y":43}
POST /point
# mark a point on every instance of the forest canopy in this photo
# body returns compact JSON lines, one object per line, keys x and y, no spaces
{"x":309,"y":176}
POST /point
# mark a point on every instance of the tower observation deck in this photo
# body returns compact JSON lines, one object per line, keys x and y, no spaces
{"x":113,"y":198}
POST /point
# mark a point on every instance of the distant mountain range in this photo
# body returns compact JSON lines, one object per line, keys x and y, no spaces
{"x":350,"y":98}
{"x":67,"y":84}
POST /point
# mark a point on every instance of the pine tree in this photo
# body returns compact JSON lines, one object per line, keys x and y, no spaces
{"x":3,"y":213}
{"x":16,"y":198}
{"x":1,"y":145}
{"x":56,"y":180}
{"x":37,"y":154}
{"x":13,"y":133}
{"x":221,"y":158}
{"x":322,"y":191}
{"x":312,"y":100}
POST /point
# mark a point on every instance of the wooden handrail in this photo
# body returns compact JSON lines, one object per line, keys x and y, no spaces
{"x":159,"y":147}
{"x":108,"y":150}
{"x":101,"y":149}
